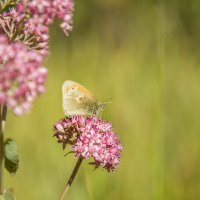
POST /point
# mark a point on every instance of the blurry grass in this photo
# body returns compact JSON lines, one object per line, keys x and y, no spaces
{"x":161,"y":156}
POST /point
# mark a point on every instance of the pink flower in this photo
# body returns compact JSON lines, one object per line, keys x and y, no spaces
{"x":29,"y":22}
{"x":18,"y":27}
{"x":90,"y":137}
{"x":64,"y":12}
{"x":21,"y":75}
{"x":45,"y":11}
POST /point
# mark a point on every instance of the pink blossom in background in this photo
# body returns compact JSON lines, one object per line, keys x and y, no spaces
{"x":24,"y":38}
{"x":29,"y":22}
{"x":16,"y":26}
{"x":21,"y":75}
{"x":45,"y":11}
{"x":90,"y":137}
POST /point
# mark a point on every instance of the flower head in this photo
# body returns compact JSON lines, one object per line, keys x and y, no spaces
{"x":21,"y":75}
{"x":90,"y":137}
{"x":24,"y":36}
{"x":45,"y":11}
{"x":17,"y":26}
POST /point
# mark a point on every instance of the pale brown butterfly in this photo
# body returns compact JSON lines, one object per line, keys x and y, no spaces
{"x":77,"y":100}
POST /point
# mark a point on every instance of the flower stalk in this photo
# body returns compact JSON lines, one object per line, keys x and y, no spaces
{"x":89,"y":137}
{"x":3,"y":113}
{"x":71,"y":179}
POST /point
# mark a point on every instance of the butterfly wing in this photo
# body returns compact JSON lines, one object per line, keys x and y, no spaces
{"x":92,"y":106}
{"x":77,"y":100}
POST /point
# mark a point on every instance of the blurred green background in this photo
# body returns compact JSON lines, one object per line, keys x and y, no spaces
{"x":145,"y":55}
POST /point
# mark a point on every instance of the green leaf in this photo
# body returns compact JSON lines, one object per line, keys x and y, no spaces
{"x":11,"y":156}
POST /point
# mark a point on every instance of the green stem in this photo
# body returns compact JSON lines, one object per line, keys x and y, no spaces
{"x":3,"y":113}
{"x":70,"y":181}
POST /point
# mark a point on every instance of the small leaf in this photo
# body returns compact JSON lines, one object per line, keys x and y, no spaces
{"x":68,"y":153}
{"x":11,"y":156}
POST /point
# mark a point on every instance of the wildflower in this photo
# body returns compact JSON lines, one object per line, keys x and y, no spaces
{"x":21,"y":75}
{"x":18,"y":27}
{"x":45,"y":11}
{"x":29,"y":22}
{"x":90,"y":137}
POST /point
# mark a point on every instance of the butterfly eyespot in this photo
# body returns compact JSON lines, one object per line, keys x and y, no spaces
{"x":72,"y":88}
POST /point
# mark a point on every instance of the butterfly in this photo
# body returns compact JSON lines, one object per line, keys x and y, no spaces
{"x":77,"y":100}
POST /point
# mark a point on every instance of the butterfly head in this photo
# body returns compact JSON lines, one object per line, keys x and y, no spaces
{"x":101,"y":107}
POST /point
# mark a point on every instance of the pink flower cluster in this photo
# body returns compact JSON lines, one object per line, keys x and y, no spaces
{"x":90,"y":137}
{"x":24,"y":36}
{"x":29,"y":22}
{"x":21,"y":75}
{"x":44,"y":12}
